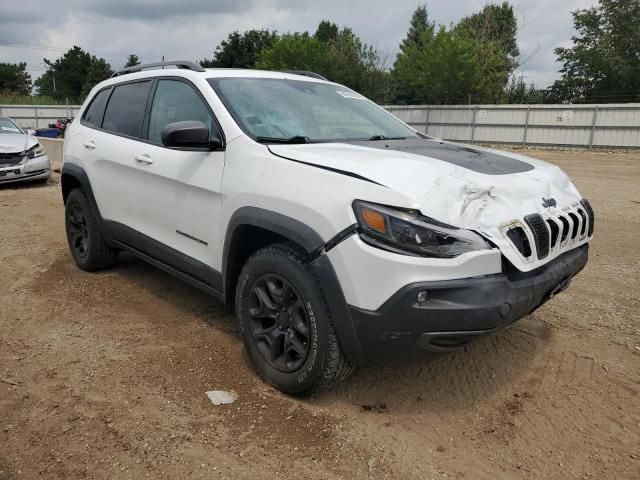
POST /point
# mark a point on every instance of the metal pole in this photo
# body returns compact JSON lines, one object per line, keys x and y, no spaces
{"x":471,"y":134}
{"x":426,"y":121}
{"x":473,"y":128}
{"x":594,"y":120}
{"x":526,"y":127}
{"x":35,"y":108}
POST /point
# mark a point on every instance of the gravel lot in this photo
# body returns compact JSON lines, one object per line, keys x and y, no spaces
{"x":104,"y":375}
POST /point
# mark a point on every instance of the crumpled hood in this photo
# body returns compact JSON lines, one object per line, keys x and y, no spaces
{"x":466,"y":186}
{"x":16,"y":142}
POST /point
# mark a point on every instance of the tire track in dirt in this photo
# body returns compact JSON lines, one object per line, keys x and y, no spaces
{"x":193,"y":348}
{"x":111,"y":370}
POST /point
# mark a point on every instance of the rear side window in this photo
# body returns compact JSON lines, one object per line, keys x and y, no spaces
{"x":125,"y":111}
{"x":95,"y":112}
{"x":175,"y":101}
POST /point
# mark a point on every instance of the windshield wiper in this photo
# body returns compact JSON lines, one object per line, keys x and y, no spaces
{"x":294,"y":139}
{"x":382,"y":137}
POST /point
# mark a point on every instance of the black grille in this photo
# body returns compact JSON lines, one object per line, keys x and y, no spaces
{"x":540,"y":233}
{"x":587,"y":206}
{"x":520,"y":240}
{"x":8,"y":159}
{"x":583,"y":218}
{"x":574,"y":230}
{"x":565,"y":228}
{"x":555,"y":232}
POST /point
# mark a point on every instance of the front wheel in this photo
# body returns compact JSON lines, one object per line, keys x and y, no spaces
{"x":285,"y":324}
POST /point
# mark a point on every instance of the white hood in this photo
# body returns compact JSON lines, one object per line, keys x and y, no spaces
{"x":16,"y":142}
{"x":451,"y":193}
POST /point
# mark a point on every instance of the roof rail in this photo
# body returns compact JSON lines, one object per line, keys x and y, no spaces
{"x":306,"y":73}
{"x":196,"y":67}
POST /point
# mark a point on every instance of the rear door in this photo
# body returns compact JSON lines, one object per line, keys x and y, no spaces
{"x":117,"y":179}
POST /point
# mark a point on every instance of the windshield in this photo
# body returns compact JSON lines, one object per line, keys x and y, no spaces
{"x":298,"y":111}
{"x":7,"y":126}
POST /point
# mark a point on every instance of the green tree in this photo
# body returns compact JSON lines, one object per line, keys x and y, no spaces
{"x":447,"y":65}
{"x":98,"y":71}
{"x":497,"y":23}
{"x":603,"y":65}
{"x":132,"y":60}
{"x":241,"y":50}
{"x":14,"y":79}
{"x":421,"y":31}
{"x":420,"y":27}
{"x":450,"y":66}
{"x":343,"y":59}
{"x":72,"y":75}
{"x":326,"y":31}
{"x":518,"y":92}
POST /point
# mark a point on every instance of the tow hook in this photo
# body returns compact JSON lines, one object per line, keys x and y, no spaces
{"x":563,"y":285}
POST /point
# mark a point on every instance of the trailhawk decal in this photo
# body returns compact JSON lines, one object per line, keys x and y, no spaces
{"x":461,"y":155}
{"x":191,"y":237}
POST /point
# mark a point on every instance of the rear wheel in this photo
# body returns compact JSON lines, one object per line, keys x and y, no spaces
{"x":86,"y":243}
{"x":285,"y":323}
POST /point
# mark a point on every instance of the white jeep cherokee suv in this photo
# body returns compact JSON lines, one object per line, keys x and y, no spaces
{"x":343,"y":236}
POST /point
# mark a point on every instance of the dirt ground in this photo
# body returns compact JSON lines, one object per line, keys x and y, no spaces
{"x":104,"y":375}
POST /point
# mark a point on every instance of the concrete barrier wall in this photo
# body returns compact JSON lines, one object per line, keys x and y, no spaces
{"x":38,"y":116}
{"x":53,"y":146}
{"x":610,"y":125}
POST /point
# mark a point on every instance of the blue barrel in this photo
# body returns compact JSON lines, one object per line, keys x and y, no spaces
{"x":47,"y":132}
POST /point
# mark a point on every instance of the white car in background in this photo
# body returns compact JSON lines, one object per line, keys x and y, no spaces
{"x":22,"y":158}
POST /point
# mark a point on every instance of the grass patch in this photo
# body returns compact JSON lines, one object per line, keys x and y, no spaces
{"x":33,"y":100}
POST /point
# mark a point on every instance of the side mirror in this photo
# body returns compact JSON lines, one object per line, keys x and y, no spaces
{"x":189,"y":134}
{"x":30,"y":131}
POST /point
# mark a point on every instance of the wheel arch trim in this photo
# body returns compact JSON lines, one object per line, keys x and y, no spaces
{"x":307,"y":238}
{"x":71,"y":170}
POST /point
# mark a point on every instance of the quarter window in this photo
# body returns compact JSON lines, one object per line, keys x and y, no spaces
{"x":125,"y":111}
{"x":95,"y":112}
{"x":176,"y":101}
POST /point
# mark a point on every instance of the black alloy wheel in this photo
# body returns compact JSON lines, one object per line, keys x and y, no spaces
{"x":89,"y":248}
{"x":78,"y":231}
{"x":279,"y":322}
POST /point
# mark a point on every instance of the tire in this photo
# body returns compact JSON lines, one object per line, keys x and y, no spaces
{"x":87,"y":245}
{"x":285,"y":323}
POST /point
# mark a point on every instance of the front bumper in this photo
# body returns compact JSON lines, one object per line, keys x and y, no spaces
{"x":37,"y":168}
{"x":456,"y":312}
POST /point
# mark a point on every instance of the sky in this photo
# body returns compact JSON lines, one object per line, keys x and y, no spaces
{"x":31,"y":30}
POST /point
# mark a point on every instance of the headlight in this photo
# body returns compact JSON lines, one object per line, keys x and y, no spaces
{"x":36,"y":151}
{"x":408,"y":232}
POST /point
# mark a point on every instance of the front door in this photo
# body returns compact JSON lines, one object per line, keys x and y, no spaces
{"x":181,"y":188}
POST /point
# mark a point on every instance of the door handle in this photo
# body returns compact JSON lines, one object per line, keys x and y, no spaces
{"x":144,"y":158}
{"x":90,"y":145}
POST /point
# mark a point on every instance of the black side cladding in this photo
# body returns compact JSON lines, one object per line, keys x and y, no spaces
{"x":461,"y":155}
{"x":540,"y":233}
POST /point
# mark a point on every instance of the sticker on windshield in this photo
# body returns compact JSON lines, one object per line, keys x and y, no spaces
{"x":349,"y":94}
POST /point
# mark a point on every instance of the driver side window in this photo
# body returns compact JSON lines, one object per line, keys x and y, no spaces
{"x":176,"y":101}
